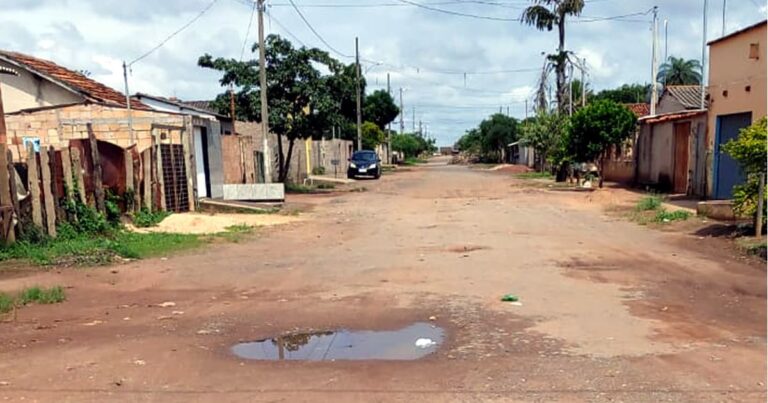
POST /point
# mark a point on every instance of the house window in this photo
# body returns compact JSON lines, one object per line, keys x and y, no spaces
{"x":754,"y":51}
{"x":35,"y":141}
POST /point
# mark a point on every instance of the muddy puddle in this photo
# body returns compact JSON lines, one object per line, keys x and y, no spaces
{"x":409,"y":343}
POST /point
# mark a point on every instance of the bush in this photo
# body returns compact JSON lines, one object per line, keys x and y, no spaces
{"x":145,"y":218}
{"x":648,"y":203}
{"x":318,"y":171}
{"x":749,"y":151}
{"x":668,"y":216}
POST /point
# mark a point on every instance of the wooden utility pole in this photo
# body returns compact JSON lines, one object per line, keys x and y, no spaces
{"x":232,"y":107}
{"x":760,"y":201}
{"x":359,"y":112}
{"x":389,"y":128}
{"x":263,"y":93}
{"x":402,"y":126}
{"x":704,"y":57}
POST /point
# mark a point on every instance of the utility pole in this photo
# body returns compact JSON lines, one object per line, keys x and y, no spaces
{"x":526,"y":109}
{"x":666,"y":40}
{"x":359,"y":112}
{"x":413,"y":117}
{"x":724,"y":7}
{"x":402,"y":111}
{"x":232,"y":107}
{"x":128,"y":103}
{"x":263,"y":93}
{"x":507,"y":110}
{"x":654,"y":67}
{"x":570,"y":90}
{"x":421,"y":133}
{"x":704,"y":57}
{"x":583,"y":82}
{"x":389,"y":128}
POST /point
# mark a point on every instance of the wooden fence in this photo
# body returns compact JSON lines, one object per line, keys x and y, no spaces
{"x":35,"y":190}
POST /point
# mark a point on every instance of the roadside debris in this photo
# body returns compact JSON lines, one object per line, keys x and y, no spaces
{"x":433,"y":318}
{"x":167,"y":304}
{"x":94,"y":323}
{"x":510,"y":298}
{"x":140,"y":362}
{"x":425,"y":343}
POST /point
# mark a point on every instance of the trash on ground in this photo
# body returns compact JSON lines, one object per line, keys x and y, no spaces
{"x":167,"y":304}
{"x":516,"y":303}
{"x":424,"y":343}
{"x":510,"y":298}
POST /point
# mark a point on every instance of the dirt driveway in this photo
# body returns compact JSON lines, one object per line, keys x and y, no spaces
{"x":611,"y":311}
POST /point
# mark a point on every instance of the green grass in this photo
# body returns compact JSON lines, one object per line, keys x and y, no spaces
{"x":94,"y":250}
{"x":235,"y":233}
{"x":298,"y":188}
{"x":36,"y":294}
{"x":414,"y":161}
{"x":534,"y":175}
{"x":664,"y":216}
{"x":145,"y":218}
{"x":326,"y":186}
{"x":648,"y":203}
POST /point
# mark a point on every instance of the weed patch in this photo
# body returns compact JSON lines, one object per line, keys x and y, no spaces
{"x":36,"y":294}
{"x":145,"y":218}
{"x":534,"y":175}
{"x":664,"y":216}
{"x":648,"y":203}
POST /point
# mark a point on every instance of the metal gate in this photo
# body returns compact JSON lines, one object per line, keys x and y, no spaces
{"x":174,"y":178}
{"x":727,"y":171}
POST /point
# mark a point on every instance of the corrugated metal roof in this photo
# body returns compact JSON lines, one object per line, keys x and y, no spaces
{"x":688,"y":95}
{"x":74,"y":81}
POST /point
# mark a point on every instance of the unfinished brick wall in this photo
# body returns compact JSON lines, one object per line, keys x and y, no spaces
{"x":59,"y":125}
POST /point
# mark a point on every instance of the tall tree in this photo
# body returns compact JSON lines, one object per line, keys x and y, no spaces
{"x":545,"y":134}
{"x":303,"y":102}
{"x":380,"y":108}
{"x":495,"y":133}
{"x":678,"y":71}
{"x":546,"y":14}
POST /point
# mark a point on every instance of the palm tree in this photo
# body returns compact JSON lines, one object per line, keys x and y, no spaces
{"x":678,"y":71}
{"x":546,"y":14}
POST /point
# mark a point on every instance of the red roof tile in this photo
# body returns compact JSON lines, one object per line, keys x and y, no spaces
{"x":639,"y":110}
{"x":90,"y":89}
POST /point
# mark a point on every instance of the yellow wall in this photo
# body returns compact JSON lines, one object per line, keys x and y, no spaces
{"x":731,"y":70}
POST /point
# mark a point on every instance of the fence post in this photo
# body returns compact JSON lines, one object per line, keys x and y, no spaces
{"x":129,"y":186}
{"x":146,"y":164}
{"x":5,"y":195}
{"x":77,"y":167}
{"x":98,"y":189}
{"x":66,"y":169}
{"x":14,"y":190}
{"x":34,"y":186}
{"x":48,"y":196}
{"x":760,"y":202}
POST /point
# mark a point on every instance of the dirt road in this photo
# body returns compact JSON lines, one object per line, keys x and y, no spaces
{"x":611,"y":311}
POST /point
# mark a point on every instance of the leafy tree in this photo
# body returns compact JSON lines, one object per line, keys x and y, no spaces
{"x":380,"y":108}
{"x":749,"y":150}
{"x":372,"y":135}
{"x":303,"y":102}
{"x":575,"y":89}
{"x":546,"y":14}
{"x":412,"y":145}
{"x":545,"y":134}
{"x":597,"y":127}
{"x":626,"y":94}
{"x":495,"y":133}
{"x":678,"y":71}
{"x":469,"y":143}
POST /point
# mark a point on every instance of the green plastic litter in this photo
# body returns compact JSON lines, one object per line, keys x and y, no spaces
{"x":510,"y":298}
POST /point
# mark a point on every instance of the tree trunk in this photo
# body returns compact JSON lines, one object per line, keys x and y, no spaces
{"x":560,"y":65}
{"x":602,"y":169}
{"x":287,"y":167}
{"x":280,"y":158}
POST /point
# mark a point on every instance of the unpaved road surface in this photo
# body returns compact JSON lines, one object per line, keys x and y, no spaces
{"x":611,"y":311}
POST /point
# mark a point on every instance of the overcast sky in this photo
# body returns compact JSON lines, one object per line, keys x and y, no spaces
{"x":425,"y":51}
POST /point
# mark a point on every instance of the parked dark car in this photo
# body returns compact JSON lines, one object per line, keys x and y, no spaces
{"x":364,"y":163}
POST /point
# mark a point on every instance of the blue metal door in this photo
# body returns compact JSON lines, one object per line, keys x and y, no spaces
{"x":727,"y":171}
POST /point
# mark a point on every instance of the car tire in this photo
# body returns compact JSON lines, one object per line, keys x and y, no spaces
{"x":350,"y":176}
{"x":378,"y":175}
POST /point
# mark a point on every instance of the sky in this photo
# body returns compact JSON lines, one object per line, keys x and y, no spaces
{"x":455,"y":70}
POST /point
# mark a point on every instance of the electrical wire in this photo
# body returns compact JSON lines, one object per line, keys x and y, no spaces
{"x":178,"y":31}
{"x":314,"y":31}
{"x":247,"y":31}
{"x":287,"y":31}
{"x":456,"y":13}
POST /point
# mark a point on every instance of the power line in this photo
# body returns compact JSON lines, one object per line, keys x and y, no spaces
{"x":273,"y":18}
{"x":311,"y":28}
{"x":178,"y":31}
{"x":247,"y":31}
{"x":456,"y":13}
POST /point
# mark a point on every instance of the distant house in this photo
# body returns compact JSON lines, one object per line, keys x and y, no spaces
{"x":737,"y":97}
{"x":619,"y":163}
{"x":670,"y":148}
